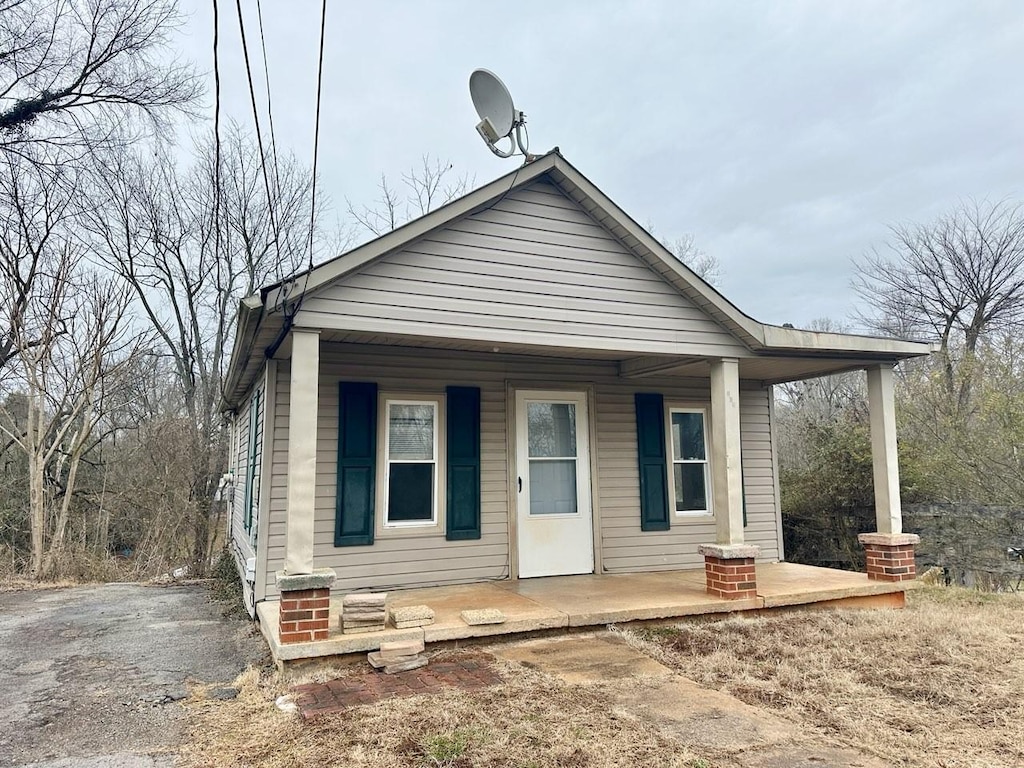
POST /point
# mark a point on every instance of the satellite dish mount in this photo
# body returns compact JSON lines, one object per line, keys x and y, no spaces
{"x":499,"y":118}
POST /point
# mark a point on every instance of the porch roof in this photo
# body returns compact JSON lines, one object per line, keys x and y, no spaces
{"x":776,"y":353}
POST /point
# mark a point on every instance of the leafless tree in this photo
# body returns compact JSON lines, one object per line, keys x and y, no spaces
{"x":704,"y":264}
{"x":36,"y":203}
{"x":80,"y":75}
{"x":73,"y":341}
{"x":422,"y":190}
{"x":189,"y":254}
{"x":956,"y":280}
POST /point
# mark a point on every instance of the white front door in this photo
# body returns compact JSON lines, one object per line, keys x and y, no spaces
{"x":554,"y":518}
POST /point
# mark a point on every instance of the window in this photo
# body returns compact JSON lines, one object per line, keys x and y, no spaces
{"x":411,"y":463}
{"x":689,"y":476}
{"x":254,"y":458}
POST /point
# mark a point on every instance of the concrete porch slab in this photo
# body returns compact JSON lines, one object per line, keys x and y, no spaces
{"x":782,"y":584}
{"x":521,"y":613}
{"x":561,"y":602}
{"x":595,"y":600}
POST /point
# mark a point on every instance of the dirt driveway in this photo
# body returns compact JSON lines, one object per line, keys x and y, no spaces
{"x":92,"y":676}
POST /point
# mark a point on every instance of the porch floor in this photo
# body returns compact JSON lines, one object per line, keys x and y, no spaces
{"x":560,"y":602}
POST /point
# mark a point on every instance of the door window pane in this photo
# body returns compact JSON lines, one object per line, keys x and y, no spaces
{"x":551,"y":429}
{"x":688,"y":436}
{"x":411,"y":431}
{"x":691,"y":487}
{"x":553,"y":487}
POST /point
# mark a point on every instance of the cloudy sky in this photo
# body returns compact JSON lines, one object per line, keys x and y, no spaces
{"x":784,"y":136}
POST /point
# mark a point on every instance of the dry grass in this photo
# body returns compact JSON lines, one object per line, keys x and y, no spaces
{"x":939,"y":684}
{"x":531,"y":720}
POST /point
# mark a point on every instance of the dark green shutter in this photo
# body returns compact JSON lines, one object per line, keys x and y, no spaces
{"x":463,"y":459}
{"x":357,"y":463}
{"x":251,"y":458}
{"x":650,"y":439}
{"x":743,"y":486}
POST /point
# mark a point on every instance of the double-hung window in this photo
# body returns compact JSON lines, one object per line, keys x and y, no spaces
{"x":689,"y":474}
{"x":411,"y":471}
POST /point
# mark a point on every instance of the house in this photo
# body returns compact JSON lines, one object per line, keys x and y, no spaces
{"x":521,"y":384}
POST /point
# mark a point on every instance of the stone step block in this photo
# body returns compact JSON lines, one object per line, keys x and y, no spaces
{"x":372,"y":599}
{"x":483,"y":616}
{"x":412,"y":616}
{"x":398,"y":649}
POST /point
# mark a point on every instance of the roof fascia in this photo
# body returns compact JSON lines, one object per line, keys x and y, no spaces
{"x":249,"y":312}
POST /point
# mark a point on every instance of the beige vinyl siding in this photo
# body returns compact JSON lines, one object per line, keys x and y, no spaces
{"x":533,"y":269}
{"x":429,"y":559}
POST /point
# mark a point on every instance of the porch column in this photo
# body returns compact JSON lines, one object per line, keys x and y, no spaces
{"x":728,"y":563}
{"x":890,"y":552}
{"x":305,"y":592}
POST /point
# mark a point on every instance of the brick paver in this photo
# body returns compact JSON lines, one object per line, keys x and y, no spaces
{"x":468,"y":672}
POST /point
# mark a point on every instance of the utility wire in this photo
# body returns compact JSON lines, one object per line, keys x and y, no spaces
{"x":216,"y":133}
{"x":270,"y":110}
{"x":259,"y":134}
{"x":316,"y":130}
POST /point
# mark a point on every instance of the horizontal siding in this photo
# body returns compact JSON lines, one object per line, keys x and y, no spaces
{"x":398,"y":562}
{"x":244,"y":542}
{"x":533,"y":269}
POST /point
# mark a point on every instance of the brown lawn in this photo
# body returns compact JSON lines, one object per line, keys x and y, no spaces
{"x":939,"y":684}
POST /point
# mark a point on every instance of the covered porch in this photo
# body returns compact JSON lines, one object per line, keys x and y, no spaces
{"x":563,"y":603}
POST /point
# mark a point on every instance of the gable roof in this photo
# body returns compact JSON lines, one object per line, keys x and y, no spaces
{"x":261,"y":320}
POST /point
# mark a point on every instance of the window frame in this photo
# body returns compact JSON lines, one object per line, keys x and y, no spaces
{"x":704,"y":410}
{"x":383,"y":527}
{"x":253,"y":465}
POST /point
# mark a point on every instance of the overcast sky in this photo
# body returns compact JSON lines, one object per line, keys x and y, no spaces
{"x":784,"y":136}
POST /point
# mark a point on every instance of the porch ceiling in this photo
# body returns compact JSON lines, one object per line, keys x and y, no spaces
{"x":772,"y":369}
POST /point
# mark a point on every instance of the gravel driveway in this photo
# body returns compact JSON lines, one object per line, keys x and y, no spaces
{"x":91,"y":676}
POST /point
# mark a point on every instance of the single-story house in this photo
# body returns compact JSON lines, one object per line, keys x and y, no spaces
{"x":523,"y":383}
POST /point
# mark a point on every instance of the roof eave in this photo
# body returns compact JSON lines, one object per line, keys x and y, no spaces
{"x":250,"y":309}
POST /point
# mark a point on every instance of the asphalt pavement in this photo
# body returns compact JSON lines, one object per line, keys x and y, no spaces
{"x":93,"y":677}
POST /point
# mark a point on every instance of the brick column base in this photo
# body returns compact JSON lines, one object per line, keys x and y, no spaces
{"x":729,"y":570}
{"x":305,"y":606}
{"x":890,"y":556}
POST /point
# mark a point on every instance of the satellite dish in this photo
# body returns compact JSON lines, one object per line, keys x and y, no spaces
{"x":492,"y":101}
{"x":498,"y":115}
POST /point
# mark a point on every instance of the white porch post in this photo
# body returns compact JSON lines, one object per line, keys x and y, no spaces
{"x":885,"y":462}
{"x":302,"y":417}
{"x":889,"y":551}
{"x":726,"y":472}
{"x":729,"y":568}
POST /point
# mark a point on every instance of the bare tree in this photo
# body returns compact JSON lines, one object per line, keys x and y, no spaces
{"x":73,"y":343}
{"x":36,"y":202}
{"x":189,"y":253}
{"x":705,"y":265}
{"x":422,"y":190}
{"x":78,"y":75}
{"x":956,"y":279}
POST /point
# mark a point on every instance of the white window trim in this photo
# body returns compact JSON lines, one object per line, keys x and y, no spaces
{"x":387,"y":529}
{"x":704,"y":410}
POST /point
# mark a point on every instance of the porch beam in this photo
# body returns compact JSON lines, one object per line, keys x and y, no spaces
{"x":726,"y":471}
{"x":302,"y":421}
{"x":650,"y":365}
{"x":884,"y":458}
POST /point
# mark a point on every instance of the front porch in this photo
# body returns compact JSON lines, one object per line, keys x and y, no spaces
{"x":566,"y":602}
